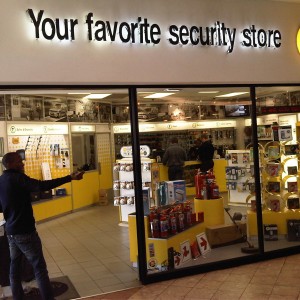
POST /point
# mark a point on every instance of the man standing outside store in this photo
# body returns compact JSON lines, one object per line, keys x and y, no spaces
{"x":174,"y":158}
{"x":206,"y":153}
{"x":15,"y":203}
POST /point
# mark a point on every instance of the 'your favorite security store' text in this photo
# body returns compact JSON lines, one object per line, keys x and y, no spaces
{"x":144,"y":32}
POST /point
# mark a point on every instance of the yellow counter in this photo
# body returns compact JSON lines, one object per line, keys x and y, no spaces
{"x":157,"y":249}
{"x":213,"y":211}
{"x":271,"y":217}
{"x":80,"y":193}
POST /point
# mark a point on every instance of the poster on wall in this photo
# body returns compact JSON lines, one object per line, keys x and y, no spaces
{"x":55,"y":109}
{"x":24,"y":108}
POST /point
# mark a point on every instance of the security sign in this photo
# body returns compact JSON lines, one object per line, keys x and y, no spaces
{"x":203,"y":243}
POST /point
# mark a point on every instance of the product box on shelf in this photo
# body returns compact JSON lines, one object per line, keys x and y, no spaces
{"x":146,"y":200}
{"x":293,"y":203}
{"x":292,"y":170}
{"x":176,"y":191}
{"x":275,"y":205}
{"x":60,"y":192}
{"x":273,"y":169}
{"x":271,"y":232}
{"x":292,"y":186}
{"x":293,"y":230}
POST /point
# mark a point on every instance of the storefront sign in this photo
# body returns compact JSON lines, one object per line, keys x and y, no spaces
{"x":83,"y":128}
{"x":142,"y":31}
{"x":35,"y":129}
{"x":126,"y":151}
{"x":265,"y":120}
{"x":180,"y":125}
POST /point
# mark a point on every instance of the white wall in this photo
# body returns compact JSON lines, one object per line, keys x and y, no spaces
{"x":25,"y":59}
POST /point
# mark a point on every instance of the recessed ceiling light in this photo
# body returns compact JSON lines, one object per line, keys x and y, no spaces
{"x":232,"y":94}
{"x":208,"y":92}
{"x":78,"y":93}
{"x":172,"y":90}
{"x":97,"y":96}
{"x":159,"y":95}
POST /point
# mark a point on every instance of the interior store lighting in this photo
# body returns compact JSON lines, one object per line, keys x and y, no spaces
{"x":79,"y":93}
{"x":208,"y":92}
{"x":232,"y":94}
{"x":97,"y":96}
{"x":172,"y":90}
{"x":159,"y":95}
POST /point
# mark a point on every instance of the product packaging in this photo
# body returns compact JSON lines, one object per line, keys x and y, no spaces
{"x":271,"y":232}
{"x":146,"y":200}
{"x":176,"y":191}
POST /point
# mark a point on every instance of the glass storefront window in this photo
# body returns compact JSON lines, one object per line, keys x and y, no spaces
{"x":203,"y":217}
{"x":200,"y":216}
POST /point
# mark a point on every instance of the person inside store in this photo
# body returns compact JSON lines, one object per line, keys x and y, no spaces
{"x":158,"y":152}
{"x":174,"y":158}
{"x":15,"y":203}
{"x":193,"y":152}
{"x":206,"y":153}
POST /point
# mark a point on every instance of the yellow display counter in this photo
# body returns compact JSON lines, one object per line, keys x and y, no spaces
{"x":80,"y":193}
{"x":213,"y":210}
{"x":157,"y":249}
{"x":219,"y":171}
{"x":271,"y":217}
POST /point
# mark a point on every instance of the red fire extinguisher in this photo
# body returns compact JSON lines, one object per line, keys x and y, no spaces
{"x":200,"y":181}
{"x":214,"y":191}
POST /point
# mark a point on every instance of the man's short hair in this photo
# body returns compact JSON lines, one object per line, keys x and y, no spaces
{"x":8,"y":158}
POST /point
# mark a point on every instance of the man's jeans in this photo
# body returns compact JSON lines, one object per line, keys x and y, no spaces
{"x":31,"y":246}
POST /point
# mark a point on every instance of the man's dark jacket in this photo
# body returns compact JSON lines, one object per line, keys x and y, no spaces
{"x":15,"y":199}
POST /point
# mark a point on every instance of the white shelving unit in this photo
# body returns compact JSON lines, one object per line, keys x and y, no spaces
{"x":239,"y":176}
{"x":123,"y":185}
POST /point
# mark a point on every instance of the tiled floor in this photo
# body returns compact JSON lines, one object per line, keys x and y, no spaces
{"x":93,"y":251}
{"x":273,"y":279}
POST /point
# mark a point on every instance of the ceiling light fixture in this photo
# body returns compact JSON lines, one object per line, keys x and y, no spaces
{"x":232,"y":94}
{"x":172,"y":90}
{"x":79,"y":93}
{"x":208,"y":92}
{"x":97,"y":96}
{"x":159,"y":95}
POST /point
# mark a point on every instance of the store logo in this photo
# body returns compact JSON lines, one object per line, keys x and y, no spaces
{"x":12,"y":129}
{"x":298,"y":40}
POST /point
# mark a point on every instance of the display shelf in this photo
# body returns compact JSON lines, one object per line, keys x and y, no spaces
{"x":239,"y":175}
{"x":213,"y":210}
{"x":156,"y":248}
{"x":270,"y":217}
{"x":123,"y":185}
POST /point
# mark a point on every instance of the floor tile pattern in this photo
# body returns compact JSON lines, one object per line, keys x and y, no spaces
{"x":91,"y":249}
{"x":268,"y":280}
